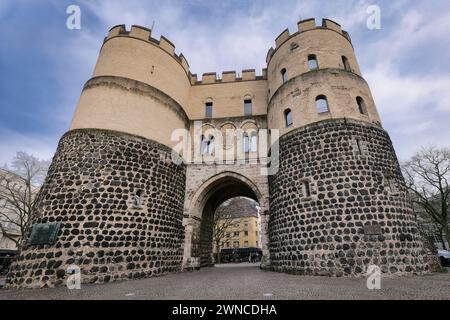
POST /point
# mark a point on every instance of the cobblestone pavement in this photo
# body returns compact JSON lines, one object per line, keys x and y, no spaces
{"x":246,"y":281}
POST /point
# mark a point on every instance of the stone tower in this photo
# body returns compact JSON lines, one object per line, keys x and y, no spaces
{"x":336,"y":204}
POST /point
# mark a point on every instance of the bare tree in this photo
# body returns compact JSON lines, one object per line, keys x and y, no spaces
{"x":222,"y":222}
{"x":18,"y":190}
{"x":427,"y":175}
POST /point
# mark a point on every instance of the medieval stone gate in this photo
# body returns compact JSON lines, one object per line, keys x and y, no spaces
{"x":121,"y":208}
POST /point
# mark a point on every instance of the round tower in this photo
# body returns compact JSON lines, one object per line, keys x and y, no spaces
{"x":117,"y":197}
{"x":338,"y":201}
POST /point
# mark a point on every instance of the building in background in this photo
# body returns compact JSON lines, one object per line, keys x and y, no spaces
{"x":243,"y":229}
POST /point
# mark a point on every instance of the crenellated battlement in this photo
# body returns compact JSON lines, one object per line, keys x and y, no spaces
{"x":145,"y":34}
{"x":165,"y":44}
{"x":228,"y":76}
{"x":304,"y":26}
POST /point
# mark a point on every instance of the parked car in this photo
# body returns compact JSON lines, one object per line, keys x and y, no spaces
{"x":444,"y":256}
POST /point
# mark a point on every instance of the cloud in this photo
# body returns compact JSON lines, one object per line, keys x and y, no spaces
{"x":42,"y":147}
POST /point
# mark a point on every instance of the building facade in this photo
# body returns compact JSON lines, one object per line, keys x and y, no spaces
{"x":240,"y":220}
{"x":333,"y":203}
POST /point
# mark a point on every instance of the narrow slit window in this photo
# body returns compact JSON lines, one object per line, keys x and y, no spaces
{"x":253,"y":142}
{"x":346,"y":64}
{"x":246,"y":143}
{"x":288,"y":117}
{"x":322,"y":104}
{"x":248,"y":107}
{"x":359,"y":146}
{"x":307,"y":189}
{"x":208,"y":110}
{"x":361,"y":105}
{"x":284,"y":75}
{"x":312,"y":62}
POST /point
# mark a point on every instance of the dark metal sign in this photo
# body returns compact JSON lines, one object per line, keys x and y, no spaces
{"x":44,"y":233}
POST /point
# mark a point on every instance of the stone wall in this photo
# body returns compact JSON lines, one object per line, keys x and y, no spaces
{"x":357,"y":212}
{"x":90,"y":189}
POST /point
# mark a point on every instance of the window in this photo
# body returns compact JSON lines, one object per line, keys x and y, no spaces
{"x":322,"y":104}
{"x":306,"y":189}
{"x":346,"y":64}
{"x":235,"y":244}
{"x":288,"y":117}
{"x":245,"y":233}
{"x":312,"y":62}
{"x":246,"y":143}
{"x":236,"y":233}
{"x":359,"y":146}
{"x":284,"y":75}
{"x":248,"y":107}
{"x":250,"y":142}
{"x":361,"y":105}
{"x":246,"y":244}
{"x":207,"y":145}
{"x":208,"y":109}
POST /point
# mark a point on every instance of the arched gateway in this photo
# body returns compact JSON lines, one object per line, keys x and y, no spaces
{"x":116,"y":206}
{"x":202,"y":200}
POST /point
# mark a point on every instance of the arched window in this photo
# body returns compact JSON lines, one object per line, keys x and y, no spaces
{"x":312,"y":62}
{"x":288,"y":117}
{"x":247,"y":107}
{"x":208,"y":109}
{"x":346,"y":64}
{"x":361,"y":105}
{"x":322,"y":104}
{"x":284,"y":75}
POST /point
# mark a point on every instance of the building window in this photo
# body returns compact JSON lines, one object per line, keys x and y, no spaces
{"x":288,"y":117}
{"x":245,"y":233}
{"x":322,"y":104}
{"x":236,"y":244}
{"x":208,"y":109}
{"x":306,"y":189}
{"x":256,"y":233}
{"x":250,"y":142}
{"x":346,"y":63}
{"x":361,"y":105}
{"x":246,"y":244}
{"x":312,"y":62}
{"x":284,"y":75}
{"x":207,"y":145}
{"x":359,"y":146}
{"x":236,"y":233}
{"x":248,"y":107}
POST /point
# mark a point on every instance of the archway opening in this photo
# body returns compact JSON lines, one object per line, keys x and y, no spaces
{"x":237,"y":232}
{"x":220,"y":193}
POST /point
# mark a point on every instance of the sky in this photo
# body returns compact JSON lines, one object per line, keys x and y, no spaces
{"x":44,"y":65}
